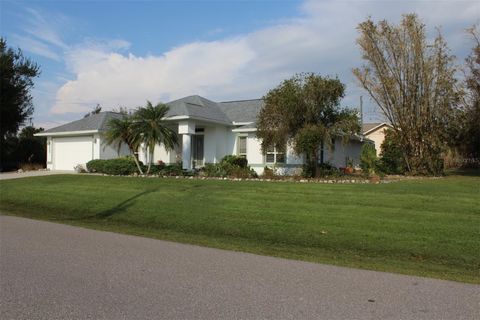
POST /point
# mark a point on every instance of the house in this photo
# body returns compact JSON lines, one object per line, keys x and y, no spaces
{"x":376,"y":133}
{"x":207,"y":131}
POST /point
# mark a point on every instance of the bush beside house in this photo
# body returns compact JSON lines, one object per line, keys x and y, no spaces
{"x":230,"y":166}
{"x":119,"y":166}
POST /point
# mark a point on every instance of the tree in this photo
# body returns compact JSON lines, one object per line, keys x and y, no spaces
{"x":150,"y":127}
{"x":469,"y":137}
{"x":413,"y":83}
{"x":16,"y":74}
{"x":391,"y":155}
{"x":304,"y":111}
{"x":119,"y":132}
{"x":368,"y":158}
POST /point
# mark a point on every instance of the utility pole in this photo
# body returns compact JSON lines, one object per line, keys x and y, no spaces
{"x":361,"y":113}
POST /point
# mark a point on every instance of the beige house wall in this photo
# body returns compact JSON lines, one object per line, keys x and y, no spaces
{"x":377,"y":136}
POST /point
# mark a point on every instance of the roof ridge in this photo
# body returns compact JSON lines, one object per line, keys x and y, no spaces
{"x":241,"y":100}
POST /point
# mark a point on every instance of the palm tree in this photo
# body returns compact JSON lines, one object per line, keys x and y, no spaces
{"x":149,"y":127}
{"x":120,"y":131}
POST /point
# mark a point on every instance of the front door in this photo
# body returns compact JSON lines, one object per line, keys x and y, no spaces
{"x":197,"y":148}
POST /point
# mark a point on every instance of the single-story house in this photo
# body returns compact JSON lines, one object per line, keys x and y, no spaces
{"x":207,"y":130}
{"x":375,"y":132}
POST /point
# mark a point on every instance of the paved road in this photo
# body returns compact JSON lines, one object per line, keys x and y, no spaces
{"x":53,"y":271}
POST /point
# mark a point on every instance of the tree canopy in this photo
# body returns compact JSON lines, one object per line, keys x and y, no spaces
{"x":16,"y":80}
{"x":17,"y":73}
{"x":305,"y":111}
{"x":413,"y":83}
{"x":469,"y":138}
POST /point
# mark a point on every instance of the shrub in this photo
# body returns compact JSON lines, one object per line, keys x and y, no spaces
{"x":391,"y":160}
{"x":323,"y":170}
{"x":31,"y":166}
{"x":327,"y":170}
{"x":368,"y":158}
{"x":95,"y":165}
{"x":214,"y":170}
{"x":235,"y":161}
{"x":268,"y":173}
{"x":118,"y":166}
{"x":307,"y":170}
{"x":230,"y":166}
{"x":171,"y":170}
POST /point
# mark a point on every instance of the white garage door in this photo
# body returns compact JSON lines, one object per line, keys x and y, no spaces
{"x":71,"y":151}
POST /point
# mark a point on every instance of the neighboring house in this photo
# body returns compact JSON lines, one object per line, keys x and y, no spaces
{"x":207,"y":132}
{"x":376,"y":133}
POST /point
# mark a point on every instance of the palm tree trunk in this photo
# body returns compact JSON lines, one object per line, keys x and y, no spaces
{"x":150,"y":158}
{"x":132,"y":151}
{"x":314,"y":160}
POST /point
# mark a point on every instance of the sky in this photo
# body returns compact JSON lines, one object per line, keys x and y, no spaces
{"x":123,"y":53}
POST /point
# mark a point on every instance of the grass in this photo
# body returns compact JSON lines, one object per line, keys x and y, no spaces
{"x":428,"y":227}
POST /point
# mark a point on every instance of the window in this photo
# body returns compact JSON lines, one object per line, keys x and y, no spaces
{"x":242,"y":146}
{"x":273,"y":155}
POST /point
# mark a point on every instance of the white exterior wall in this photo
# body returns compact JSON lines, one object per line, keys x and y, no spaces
{"x":221,"y":137}
{"x":160,"y":154}
{"x":341,"y":153}
{"x":49,"y":153}
{"x":107,"y":151}
{"x":209,"y":145}
{"x":96,"y":146}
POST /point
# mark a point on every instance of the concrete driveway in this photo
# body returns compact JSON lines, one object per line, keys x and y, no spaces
{"x":54,"y":271}
{"x":17,"y":175}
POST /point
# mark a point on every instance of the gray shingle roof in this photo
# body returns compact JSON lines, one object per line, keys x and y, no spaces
{"x":97,"y":121}
{"x":199,"y":108}
{"x":192,"y":106}
{"x":369,"y":126}
{"x":243,"y":110}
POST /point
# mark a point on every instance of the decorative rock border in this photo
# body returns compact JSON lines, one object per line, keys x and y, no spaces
{"x":286,"y":179}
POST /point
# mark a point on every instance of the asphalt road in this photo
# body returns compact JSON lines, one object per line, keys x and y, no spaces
{"x":54,"y":271}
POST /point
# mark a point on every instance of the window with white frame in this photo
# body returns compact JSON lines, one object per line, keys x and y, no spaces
{"x":242,"y":146}
{"x":274,"y":155}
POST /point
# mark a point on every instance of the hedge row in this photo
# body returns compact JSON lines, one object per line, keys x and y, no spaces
{"x":126,"y":166}
{"x":118,"y":166}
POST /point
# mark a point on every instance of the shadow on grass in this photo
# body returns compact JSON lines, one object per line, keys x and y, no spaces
{"x":464,"y":172}
{"x":119,"y":208}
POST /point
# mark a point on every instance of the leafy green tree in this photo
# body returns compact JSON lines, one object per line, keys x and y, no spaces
{"x":392,"y":160}
{"x":119,"y":132}
{"x":469,"y":139}
{"x":368,"y":158}
{"x":150,"y":127}
{"x":31,"y":149}
{"x":305,"y":112}
{"x":413,"y":82}
{"x":16,"y":74}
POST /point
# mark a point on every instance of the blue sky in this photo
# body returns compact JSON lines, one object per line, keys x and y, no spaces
{"x":121,"y":53}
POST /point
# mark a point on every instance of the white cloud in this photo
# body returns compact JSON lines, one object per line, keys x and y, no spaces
{"x":41,"y":34}
{"x":322,"y":40}
{"x":113,"y":79}
{"x":36,"y":47}
{"x":46,"y":30}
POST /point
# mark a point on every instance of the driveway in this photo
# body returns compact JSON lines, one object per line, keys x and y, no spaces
{"x":16,"y":175}
{"x":54,"y":271}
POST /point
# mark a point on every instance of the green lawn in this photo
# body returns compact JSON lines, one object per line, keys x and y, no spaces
{"x":427,"y":227}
